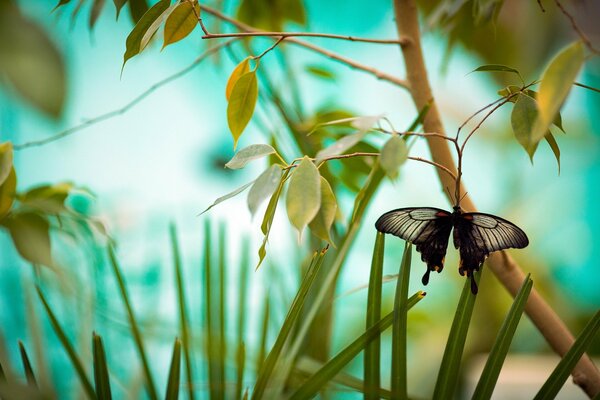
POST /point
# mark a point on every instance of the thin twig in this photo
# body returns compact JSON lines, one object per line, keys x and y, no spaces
{"x":576,"y":28}
{"x":586,"y":87}
{"x":440,"y":166}
{"x":302,"y":34}
{"x":281,"y":39}
{"x":128,"y":106}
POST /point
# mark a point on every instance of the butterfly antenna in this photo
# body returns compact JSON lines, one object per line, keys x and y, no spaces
{"x":463,"y":196}
{"x":450,"y":196}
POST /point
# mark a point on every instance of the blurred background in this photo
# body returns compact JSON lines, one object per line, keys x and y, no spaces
{"x":162,"y":161}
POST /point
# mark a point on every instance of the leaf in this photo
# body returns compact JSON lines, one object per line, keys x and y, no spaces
{"x":393,"y":154}
{"x":101,"y":377}
{"x":399,"y":328}
{"x":137,"y":9}
{"x":554,"y":146}
{"x":241,"y":69}
{"x":30,"y":62}
{"x":174,"y":373}
{"x":497,"y":68}
{"x":95,"y":12}
{"x":510,"y":89}
{"x":29,"y":374}
{"x":241,"y":104}
{"x":340,"y":146}
{"x":7,"y":193}
{"x":228,"y":196}
{"x":119,"y":5}
{"x":149,"y":34}
{"x":6,"y":160}
{"x":181,"y":22}
{"x":134,"y":40}
{"x":267,"y":221}
{"x":322,"y":222}
{"x":556,"y":84}
{"x":264,"y":187}
{"x":320,"y":72}
{"x":523,"y":118}
{"x":49,"y":199}
{"x":304,"y":195}
{"x":250,"y":153}
{"x":365,"y":123}
{"x":30,"y":234}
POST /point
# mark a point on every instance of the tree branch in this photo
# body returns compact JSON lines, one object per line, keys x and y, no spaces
{"x":504,"y":267}
{"x":300,"y":34}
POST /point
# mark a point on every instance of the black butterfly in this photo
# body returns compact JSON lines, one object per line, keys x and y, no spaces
{"x":476,"y":234}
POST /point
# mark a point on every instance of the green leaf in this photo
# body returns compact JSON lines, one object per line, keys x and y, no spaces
{"x":241,"y":104}
{"x":560,"y":374}
{"x":250,"y":153}
{"x":393,"y":154}
{"x":95,"y":12}
{"x":101,"y":377}
{"x":228,"y":196}
{"x":269,"y":15}
{"x":134,"y":40}
{"x":264,"y":187}
{"x":119,"y":5}
{"x":554,"y":146}
{"x":241,"y":69}
{"x":556,"y":84}
{"x":523,"y":118}
{"x":449,"y":374}
{"x":372,"y":357}
{"x":174,"y":373}
{"x":242,"y":293}
{"x":30,"y":234}
{"x":149,"y":34}
{"x":322,"y":222}
{"x":304,"y":195}
{"x":8,"y":193}
{"x":6,"y":160}
{"x":48,"y":198}
{"x":180,"y":23}
{"x":493,"y":365}
{"x":320,"y":72}
{"x":399,"y":335}
{"x":267,"y":221}
{"x":340,"y":146}
{"x":30,"y":62}
{"x":497,"y":68}
{"x":509,"y":90}
{"x":29,"y":374}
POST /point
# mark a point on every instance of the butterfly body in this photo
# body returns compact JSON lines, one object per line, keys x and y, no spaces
{"x":476,"y":235}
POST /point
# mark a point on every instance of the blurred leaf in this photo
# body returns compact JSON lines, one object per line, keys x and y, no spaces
{"x":556,"y":84}
{"x":250,"y":153}
{"x":264,"y":334}
{"x":7,"y":193}
{"x":6,"y":160}
{"x":271,"y":15}
{"x":399,"y":328}
{"x":209,"y":341}
{"x":101,"y":377}
{"x":135,"y":38}
{"x":241,"y":104}
{"x":264,"y":187}
{"x":493,"y":365}
{"x":393,"y":154}
{"x":560,"y":374}
{"x":554,"y":146}
{"x":558,"y":122}
{"x":174,"y":373}
{"x":420,"y":117}
{"x":61,"y":3}
{"x":95,"y":12}
{"x":320,"y":72}
{"x":27,"y":366}
{"x":340,"y":146}
{"x":523,"y":118}
{"x":180,"y":23}
{"x":321,"y":224}
{"x":366,"y":192}
{"x":497,"y":68}
{"x":304,"y":194}
{"x":30,"y":234}
{"x":242,"y":293}
{"x":49,"y":199}
{"x":119,"y":5}
{"x":228,"y":196}
{"x":137,"y":9}
{"x":30,"y":62}
{"x":241,"y":69}
{"x":507,"y":91}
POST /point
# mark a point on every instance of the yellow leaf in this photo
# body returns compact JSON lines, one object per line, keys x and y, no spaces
{"x":304,"y":194}
{"x":6,"y":160}
{"x":322,"y":222}
{"x":241,"y":104}
{"x":7,"y":193}
{"x":238,"y":71}
{"x":181,"y":23}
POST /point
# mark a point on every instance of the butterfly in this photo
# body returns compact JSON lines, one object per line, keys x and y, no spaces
{"x":475,"y":234}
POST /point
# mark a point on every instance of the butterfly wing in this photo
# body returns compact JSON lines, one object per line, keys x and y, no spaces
{"x":426,"y":227}
{"x":479,"y":234}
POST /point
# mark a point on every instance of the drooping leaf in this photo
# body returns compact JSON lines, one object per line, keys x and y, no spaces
{"x":340,"y":146}
{"x":97,"y":7}
{"x":263,"y":188}
{"x":556,"y":84}
{"x":250,"y":153}
{"x":119,"y":5}
{"x":497,"y":68}
{"x":7,"y":193}
{"x":242,"y":68}
{"x":101,"y":377}
{"x":267,"y":221}
{"x":30,"y":62}
{"x":523,"y":118}
{"x":181,"y":22}
{"x":321,"y":224}
{"x":31,"y":237}
{"x":134,"y":40}
{"x":554,"y":146}
{"x":228,"y":196}
{"x":241,"y":104}
{"x":137,"y":9}
{"x":304,"y":194}
{"x":393,"y":154}
{"x":320,"y":72}
{"x":48,"y":198}
{"x":153,"y":28}
{"x":6,"y":160}
{"x":174,"y":373}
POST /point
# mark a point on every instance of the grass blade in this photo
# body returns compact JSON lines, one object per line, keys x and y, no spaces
{"x":174,"y":373}
{"x":373,"y":349}
{"x":222,"y":306}
{"x":560,"y":374}
{"x":316,"y":382}
{"x":27,"y":368}
{"x":100,"y":369}
{"x":399,"y":336}
{"x":493,"y":365}
{"x":183,"y":315}
{"x":288,"y":324}
{"x":448,"y":376}
{"x":60,"y":333}
{"x":135,"y":330}
{"x":208,"y":317}
{"x":262,"y":352}
{"x":241,"y":323}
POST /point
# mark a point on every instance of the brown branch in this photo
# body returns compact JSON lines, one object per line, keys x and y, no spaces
{"x":576,"y":28}
{"x":502,"y":265}
{"x":329,"y":54}
{"x":300,"y":34}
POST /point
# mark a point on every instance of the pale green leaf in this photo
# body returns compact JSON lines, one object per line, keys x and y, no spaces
{"x":6,"y":160}
{"x":340,"y":146}
{"x":393,"y":154}
{"x":30,"y":234}
{"x":496,"y":68}
{"x":228,"y":196}
{"x":264,"y":187}
{"x":556,"y":84}
{"x":180,"y":23}
{"x":304,"y":194}
{"x":134,"y":40}
{"x":7,"y":193}
{"x":240,"y":69}
{"x":320,"y":72}
{"x":250,"y":153}
{"x":365,"y":122}
{"x":322,"y":222}
{"x":241,"y":104}
{"x":554,"y":146}
{"x":523,"y":117}
{"x":153,"y":28}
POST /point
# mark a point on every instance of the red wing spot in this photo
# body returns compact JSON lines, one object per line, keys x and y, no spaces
{"x":468,"y":217}
{"x":441,"y":214}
